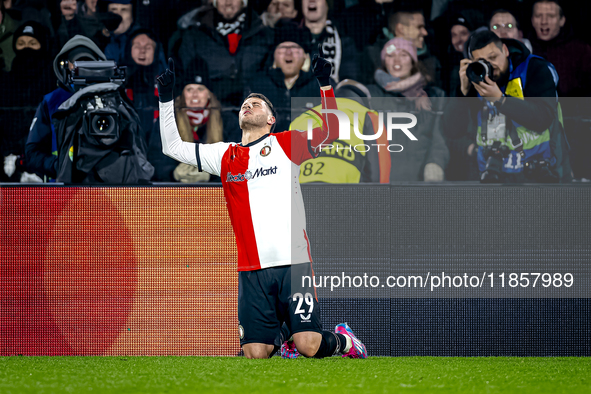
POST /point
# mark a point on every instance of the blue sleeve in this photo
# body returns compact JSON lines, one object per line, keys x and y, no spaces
{"x":38,"y":150}
{"x":112,"y":52}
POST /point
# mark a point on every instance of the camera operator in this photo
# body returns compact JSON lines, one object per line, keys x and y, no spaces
{"x":41,"y":147}
{"x":514,"y":112}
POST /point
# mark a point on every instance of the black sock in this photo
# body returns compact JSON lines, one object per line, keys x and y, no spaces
{"x":332,"y":343}
{"x":342,"y":342}
{"x":285,"y":333}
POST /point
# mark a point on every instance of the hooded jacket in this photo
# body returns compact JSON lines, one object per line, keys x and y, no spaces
{"x":41,"y":147}
{"x":141,"y":82}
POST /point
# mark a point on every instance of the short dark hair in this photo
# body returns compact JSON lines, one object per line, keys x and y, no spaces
{"x":262,"y":97}
{"x":557,"y":2}
{"x":403,"y":17}
{"x":481,"y":39}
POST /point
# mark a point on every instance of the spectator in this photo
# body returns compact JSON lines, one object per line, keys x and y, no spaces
{"x":145,"y":61}
{"x":68,"y":24}
{"x":409,"y":25}
{"x":554,"y":40}
{"x":402,"y":76}
{"x":290,"y":75}
{"x":30,"y":78}
{"x":555,"y":43}
{"x":96,"y":25}
{"x":281,"y":9}
{"x":522,"y":126}
{"x":233,"y":41}
{"x":115,"y":50}
{"x":504,"y":24}
{"x":340,"y":50}
{"x":460,"y":31}
{"x":461,"y":165}
{"x":365,"y":21}
{"x":199,"y":118}
{"x":7,"y":27}
{"x":41,"y":142}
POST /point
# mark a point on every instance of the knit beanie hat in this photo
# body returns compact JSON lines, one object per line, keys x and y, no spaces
{"x":196,"y":73}
{"x":287,"y":30}
{"x":399,"y":43}
{"x":32,"y":29}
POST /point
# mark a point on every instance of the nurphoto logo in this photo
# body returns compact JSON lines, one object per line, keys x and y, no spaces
{"x":345,"y":130}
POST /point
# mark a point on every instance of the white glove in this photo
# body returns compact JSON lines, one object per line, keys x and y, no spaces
{"x":10,"y":165}
{"x":187,"y":173}
{"x":433,"y":173}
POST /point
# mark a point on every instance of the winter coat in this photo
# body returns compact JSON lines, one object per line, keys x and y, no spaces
{"x":7,"y":28}
{"x":227,"y":72}
{"x":572,"y":59}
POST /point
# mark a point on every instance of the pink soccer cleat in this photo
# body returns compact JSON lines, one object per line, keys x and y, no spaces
{"x":288,"y":350}
{"x":358,"y":348}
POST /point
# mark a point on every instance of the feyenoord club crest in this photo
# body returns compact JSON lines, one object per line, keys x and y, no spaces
{"x":265,"y":151}
{"x":241,"y":330}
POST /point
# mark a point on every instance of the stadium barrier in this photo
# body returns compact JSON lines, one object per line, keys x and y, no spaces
{"x":151,"y":270}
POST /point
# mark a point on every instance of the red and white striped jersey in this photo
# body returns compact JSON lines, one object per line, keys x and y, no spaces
{"x":261,"y":187}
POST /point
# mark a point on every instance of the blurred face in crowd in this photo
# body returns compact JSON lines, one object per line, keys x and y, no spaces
{"x":398,"y":64}
{"x":414,"y":31}
{"x":27,"y":42}
{"x":496,"y":57}
{"x":229,"y":8}
{"x":504,"y":25}
{"x":254,"y":113}
{"x":314,"y":10}
{"x":68,"y":8}
{"x":547,"y":21}
{"x":290,"y":58}
{"x":196,"y":96}
{"x":125,"y":12}
{"x":143,"y":49}
{"x":459,"y":35}
{"x":91,"y":5}
{"x":284,"y":7}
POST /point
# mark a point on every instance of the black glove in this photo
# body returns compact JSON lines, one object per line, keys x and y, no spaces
{"x":166,"y":83}
{"x":322,"y":68}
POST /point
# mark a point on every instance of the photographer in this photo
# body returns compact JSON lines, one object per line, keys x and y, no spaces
{"x":514,"y":112}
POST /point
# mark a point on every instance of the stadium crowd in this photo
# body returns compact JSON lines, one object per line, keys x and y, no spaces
{"x":225,"y":49}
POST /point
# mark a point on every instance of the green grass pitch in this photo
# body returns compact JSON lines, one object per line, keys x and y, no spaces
{"x":237,"y":375}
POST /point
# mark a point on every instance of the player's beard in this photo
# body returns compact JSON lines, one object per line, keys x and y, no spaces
{"x":253,"y":122}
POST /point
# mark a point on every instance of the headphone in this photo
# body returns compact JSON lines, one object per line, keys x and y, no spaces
{"x":244,"y":3}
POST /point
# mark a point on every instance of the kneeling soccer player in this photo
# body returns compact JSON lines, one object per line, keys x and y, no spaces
{"x":264,"y":200}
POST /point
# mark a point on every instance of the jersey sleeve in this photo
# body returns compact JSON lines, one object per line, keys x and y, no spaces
{"x":209,"y":157}
{"x":296,"y":143}
{"x":172,"y":144}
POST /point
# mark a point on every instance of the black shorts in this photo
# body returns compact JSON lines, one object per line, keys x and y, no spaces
{"x":269,"y":297}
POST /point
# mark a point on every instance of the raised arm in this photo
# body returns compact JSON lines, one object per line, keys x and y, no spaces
{"x":296,"y":142}
{"x":172,"y":144}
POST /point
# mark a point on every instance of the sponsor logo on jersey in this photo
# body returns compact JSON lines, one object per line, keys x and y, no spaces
{"x":265,"y":151}
{"x":248,"y":175}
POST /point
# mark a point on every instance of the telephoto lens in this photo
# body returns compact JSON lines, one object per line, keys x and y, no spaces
{"x":478,"y":70}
